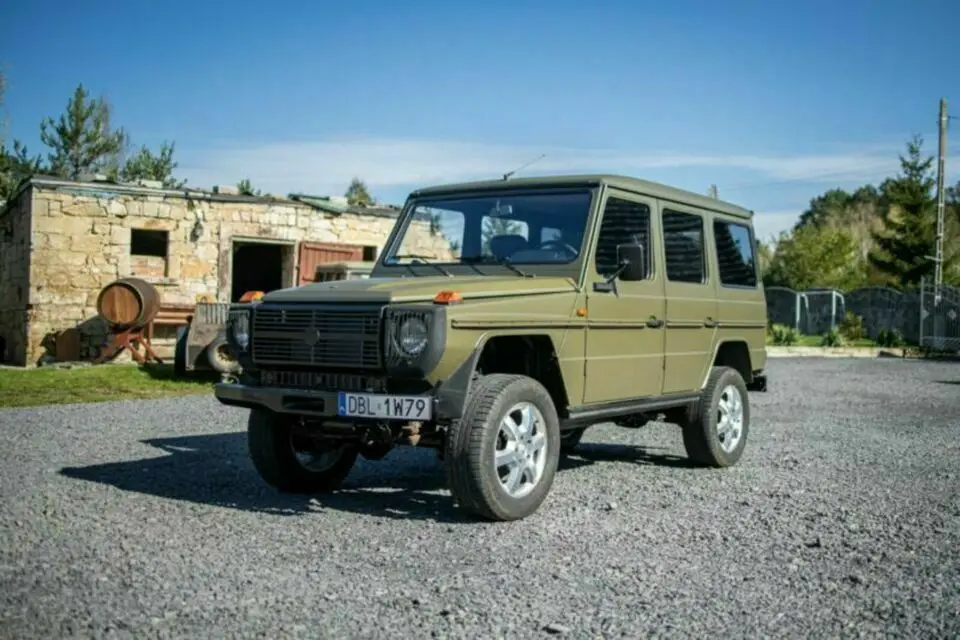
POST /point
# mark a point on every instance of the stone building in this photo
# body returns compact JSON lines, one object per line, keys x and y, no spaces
{"x":61,"y":242}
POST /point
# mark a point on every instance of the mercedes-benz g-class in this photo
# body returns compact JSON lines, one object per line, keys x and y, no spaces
{"x":501,"y":320}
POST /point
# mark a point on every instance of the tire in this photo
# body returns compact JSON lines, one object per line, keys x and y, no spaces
{"x":219,"y":356}
{"x":271,"y":445}
{"x":471,"y":443}
{"x":569,"y":440}
{"x":701,"y":438}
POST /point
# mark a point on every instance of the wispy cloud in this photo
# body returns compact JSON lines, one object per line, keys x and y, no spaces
{"x":328,"y":166}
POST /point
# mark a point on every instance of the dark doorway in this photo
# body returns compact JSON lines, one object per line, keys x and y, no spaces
{"x":257,"y":267}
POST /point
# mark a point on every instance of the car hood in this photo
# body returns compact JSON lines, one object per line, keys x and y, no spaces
{"x":420,"y":289}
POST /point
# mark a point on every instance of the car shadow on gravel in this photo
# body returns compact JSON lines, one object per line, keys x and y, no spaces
{"x":215,"y":470}
{"x":589,"y":453}
{"x":409,"y":484}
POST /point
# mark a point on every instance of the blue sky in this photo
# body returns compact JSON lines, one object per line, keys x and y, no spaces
{"x":774,"y":102}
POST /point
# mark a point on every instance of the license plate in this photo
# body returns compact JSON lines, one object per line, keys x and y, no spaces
{"x":367,"y":405}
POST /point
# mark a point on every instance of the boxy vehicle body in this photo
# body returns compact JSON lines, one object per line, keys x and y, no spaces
{"x":562,"y":302}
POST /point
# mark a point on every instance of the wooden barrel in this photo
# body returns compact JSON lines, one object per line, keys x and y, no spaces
{"x":128,"y":302}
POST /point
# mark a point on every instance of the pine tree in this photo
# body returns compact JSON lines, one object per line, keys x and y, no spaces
{"x":358,"y":194}
{"x":908,"y":237}
{"x":82,"y":140}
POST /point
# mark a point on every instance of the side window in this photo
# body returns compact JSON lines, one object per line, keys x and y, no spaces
{"x":624,"y":222}
{"x":683,"y":247}
{"x":736,"y":261}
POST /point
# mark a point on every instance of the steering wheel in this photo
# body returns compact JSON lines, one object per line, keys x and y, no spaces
{"x":563,"y":245}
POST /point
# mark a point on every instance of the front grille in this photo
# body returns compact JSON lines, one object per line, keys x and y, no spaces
{"x":317,"y":336}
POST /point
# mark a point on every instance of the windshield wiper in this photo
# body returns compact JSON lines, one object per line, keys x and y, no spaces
{"x":425,"y":260}
{"x":501,"y":261}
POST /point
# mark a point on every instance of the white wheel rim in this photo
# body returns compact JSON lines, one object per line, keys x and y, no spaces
{"x":730,"y":418}
{"x":520,"y":455}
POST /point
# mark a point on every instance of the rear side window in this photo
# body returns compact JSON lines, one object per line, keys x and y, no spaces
{"x":736,"y":255}
{"x":683,"y":247}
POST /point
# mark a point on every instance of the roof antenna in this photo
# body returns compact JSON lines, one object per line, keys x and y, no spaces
{"x":508,"y":174}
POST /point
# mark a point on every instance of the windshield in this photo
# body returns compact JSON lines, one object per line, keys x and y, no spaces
{"x":524,"y":227}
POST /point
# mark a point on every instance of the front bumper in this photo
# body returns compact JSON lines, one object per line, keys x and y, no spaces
{"x":320,"y":404}
{"x":279,"y":400}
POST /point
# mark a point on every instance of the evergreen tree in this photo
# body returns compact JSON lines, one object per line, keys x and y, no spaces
{"x":909,"y":213}
{"x":147,"y":166}
{"x":358,"y":194}
{"x":245,"y":188}
{"x":82,"y":140}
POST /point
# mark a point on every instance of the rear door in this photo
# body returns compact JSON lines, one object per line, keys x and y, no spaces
{"x":691,"y":300}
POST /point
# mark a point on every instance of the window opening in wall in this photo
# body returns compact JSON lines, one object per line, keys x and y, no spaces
{"x":683,"y":244}
{"x":147,"y":242}
{"x":369,"y":253}
{"x":148,"y":253}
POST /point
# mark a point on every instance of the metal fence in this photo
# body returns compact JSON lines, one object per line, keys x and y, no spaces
{"x":917,"y":313}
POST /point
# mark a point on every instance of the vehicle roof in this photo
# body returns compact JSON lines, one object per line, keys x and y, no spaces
{"x":627,"y":183}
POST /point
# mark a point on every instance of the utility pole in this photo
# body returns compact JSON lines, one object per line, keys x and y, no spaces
{"x":713,"y":191}
{"x":941,"y":199}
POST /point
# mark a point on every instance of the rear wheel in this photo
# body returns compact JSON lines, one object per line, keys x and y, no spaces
{"x":501,"y":456}
{"x":294,"y":463}
{"x":715,"y":431}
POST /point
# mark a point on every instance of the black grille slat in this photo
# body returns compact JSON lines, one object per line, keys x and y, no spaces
{"x":324,"y":337}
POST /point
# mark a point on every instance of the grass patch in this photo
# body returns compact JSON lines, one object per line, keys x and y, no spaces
{"x":96,"y":383}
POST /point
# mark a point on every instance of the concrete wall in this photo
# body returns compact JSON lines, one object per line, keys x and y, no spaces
{"x":15,"y":279}
{"x":83,"y":235}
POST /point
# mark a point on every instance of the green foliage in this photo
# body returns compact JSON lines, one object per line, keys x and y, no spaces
{"x":358,"y":194}
{"x":832,"y":338}
{"x":909,"y":220}
{"x":851,"y":327}
{"x":245,"y":188}
{"x":147,"y":166}
{"x":890,"y":338}
{"x":888,"y":232}
{"x":814,"y":256}
{"x":15,"y":167}
{"x":83,"y":139}
{"x":783,"y":336}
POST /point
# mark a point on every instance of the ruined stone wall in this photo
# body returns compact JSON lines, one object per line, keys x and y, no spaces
{"x":14,"y":280}
{"x":83,"y":236}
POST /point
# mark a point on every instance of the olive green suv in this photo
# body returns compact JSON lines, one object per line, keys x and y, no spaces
{"x":500,"y":321}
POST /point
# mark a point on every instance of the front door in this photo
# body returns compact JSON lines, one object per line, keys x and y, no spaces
{"x":691,"y":299}
{"x":625,"y":335}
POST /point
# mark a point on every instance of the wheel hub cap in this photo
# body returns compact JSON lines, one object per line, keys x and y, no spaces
{"x":730,"y":418}
{"x":521,"y":449}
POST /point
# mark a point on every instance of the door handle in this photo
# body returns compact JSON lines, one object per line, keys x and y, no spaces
{"x":654,"y":322}
{"x":710,"y":323}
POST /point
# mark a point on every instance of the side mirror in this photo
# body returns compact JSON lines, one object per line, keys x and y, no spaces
{"x":632,"y":261}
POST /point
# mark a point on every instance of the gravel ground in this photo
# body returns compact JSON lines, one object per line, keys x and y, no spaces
{"x":843,"y":519}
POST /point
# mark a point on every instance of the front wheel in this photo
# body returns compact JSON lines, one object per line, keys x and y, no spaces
{"x":293,"y":463}
{"x":501,"y":456}
{"x":715,"y":431}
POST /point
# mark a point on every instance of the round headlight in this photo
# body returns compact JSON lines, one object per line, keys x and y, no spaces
{"x":412,"y":336}
{"x":241,"y":330}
